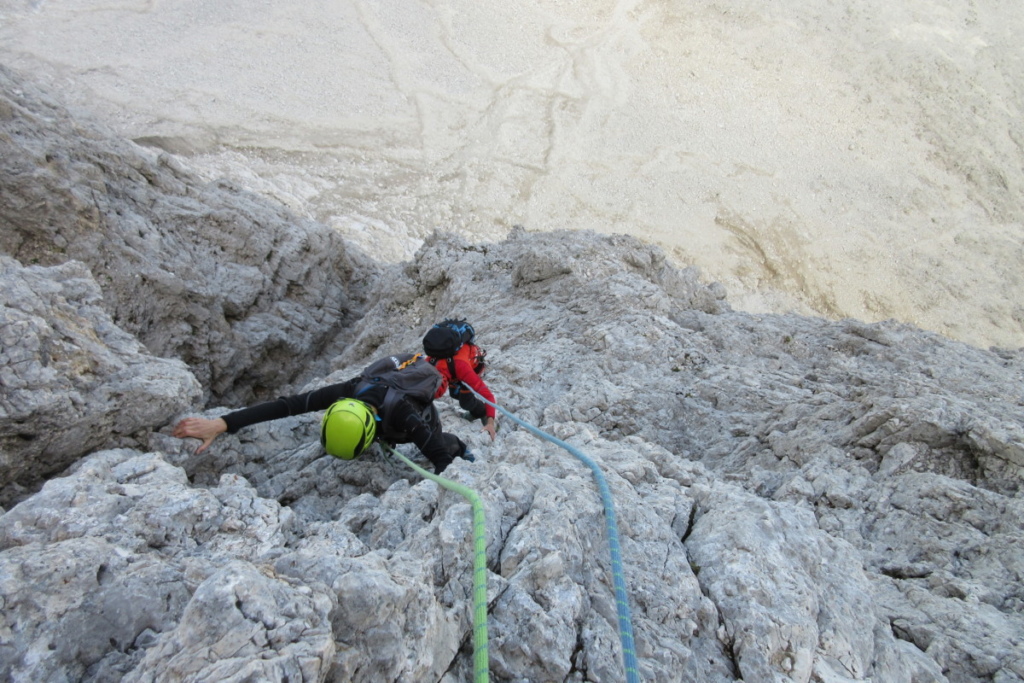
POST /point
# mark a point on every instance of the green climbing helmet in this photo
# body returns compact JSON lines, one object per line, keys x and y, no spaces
{"x":347,"y":428}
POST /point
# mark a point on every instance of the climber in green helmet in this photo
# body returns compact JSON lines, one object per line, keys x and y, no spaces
{"x":348,"y":428}
{"x":391,"y":400}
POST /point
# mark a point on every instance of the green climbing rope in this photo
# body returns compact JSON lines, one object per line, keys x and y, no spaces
{"x":629,"y":658}
{"x":481,"y":663}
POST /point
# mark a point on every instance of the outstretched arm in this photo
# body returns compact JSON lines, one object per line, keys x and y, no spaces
{"x":200,"y":428}
{"x":318,"y":399}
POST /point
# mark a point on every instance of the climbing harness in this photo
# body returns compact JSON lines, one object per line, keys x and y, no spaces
{"x":481,"y":664}
{"x":621,"y":599}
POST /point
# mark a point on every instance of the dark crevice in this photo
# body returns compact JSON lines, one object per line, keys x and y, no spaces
{"x":906,"y":571}
{"x":578,"y":667}
{"x":729,"y":646}
{"x":734,"y":662}
{"x":495,"y":565}
{"x":689,"y":524}
{"x":465,"y":652}
{"x":920,"y":635}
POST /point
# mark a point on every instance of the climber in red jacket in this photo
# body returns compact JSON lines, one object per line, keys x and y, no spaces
{"x":450,"y":347}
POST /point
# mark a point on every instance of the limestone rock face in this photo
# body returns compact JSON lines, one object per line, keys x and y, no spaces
{"x":865,"y":480}
{"x":72,"y":380}
{"x":239,"y":288}
{"x":796,"y":499}
{"x":122,"y":569}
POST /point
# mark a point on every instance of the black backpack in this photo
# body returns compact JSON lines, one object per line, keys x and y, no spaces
{"x":410,"y":374}
{"x":445,"y":338}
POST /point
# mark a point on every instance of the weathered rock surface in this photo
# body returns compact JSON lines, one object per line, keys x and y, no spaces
{"x":72,"y":380}
{"x":239,"y":288}
{"x":134,"y":573}
{"x":797,"y":500}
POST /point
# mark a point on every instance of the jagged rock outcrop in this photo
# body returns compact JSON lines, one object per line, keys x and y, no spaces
{"x":894,"y":441}
{"x":238,"y":287}
{"x":797,"y":500}
{"x":106,"y":581}
{"x":72,"y":381}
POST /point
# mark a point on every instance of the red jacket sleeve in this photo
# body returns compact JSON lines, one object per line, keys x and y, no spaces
{"x":464,"y":373}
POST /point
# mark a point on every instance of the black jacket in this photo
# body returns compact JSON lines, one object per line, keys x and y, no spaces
{"x":405,"y":421}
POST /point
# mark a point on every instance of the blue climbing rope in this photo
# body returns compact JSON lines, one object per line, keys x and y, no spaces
{"x":621,"y":599}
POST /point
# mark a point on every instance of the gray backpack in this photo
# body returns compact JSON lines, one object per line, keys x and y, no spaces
{"x":410,"y":374}
{"x":407,"y":376}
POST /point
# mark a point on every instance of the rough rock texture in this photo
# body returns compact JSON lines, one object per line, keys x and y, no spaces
{"x":72,"y":380}
{"x":886,"y":462}
{"x":797,"y":500}
{"x":132,"y":571}
{"x":239,"y":288}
